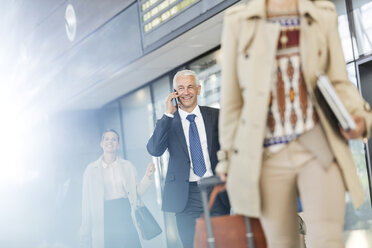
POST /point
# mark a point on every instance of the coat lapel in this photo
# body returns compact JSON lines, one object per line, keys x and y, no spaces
{"x":179,"y":130}
{"x":207,"y":118}
{"x":311,"y":42}
{"x":98,"y":179}
{"x":310,"y":47}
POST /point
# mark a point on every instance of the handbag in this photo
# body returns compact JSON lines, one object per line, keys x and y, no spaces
{"x":236,"y":231}
{"x":147,"y":225}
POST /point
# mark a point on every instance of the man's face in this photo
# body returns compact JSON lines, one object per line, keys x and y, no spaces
{"x":110,"y":142}
{"x":188,"y":92}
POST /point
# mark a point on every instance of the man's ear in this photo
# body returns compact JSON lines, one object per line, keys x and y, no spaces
{"x":198,"y":89}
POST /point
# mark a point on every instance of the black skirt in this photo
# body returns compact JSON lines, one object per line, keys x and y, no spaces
{"x":120,"y":231}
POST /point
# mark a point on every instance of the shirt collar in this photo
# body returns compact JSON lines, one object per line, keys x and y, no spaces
{"x":257,"y":9}
{"x":184,"y":114}
{"x":113,"y":164}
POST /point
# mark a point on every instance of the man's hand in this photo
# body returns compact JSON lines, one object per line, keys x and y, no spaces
{"x":358,"y":131}
{"x":150,"y":170}
{"x":169,"y":108}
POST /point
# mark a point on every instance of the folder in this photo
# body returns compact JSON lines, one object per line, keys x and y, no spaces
{"x":332,"y":105}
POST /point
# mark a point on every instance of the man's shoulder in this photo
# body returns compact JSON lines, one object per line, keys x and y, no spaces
{"x":211,"y":109}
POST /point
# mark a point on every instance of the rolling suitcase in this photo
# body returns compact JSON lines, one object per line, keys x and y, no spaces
{"x":235,"y":231}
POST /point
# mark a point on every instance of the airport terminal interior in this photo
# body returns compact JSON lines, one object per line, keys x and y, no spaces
{"x":71,"y":69}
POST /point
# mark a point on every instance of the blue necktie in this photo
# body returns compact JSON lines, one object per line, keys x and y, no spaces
{"x":195,"y":148}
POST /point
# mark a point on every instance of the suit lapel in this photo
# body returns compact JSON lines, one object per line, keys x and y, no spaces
{"x":311,"y":43}
{"x":179,"y":131}
{"x":207,"y":118}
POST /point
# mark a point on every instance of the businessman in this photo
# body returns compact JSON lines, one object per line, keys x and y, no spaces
{"x":190,"y":133}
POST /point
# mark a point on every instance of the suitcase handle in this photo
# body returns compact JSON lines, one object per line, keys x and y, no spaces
{"x":203,"y":185}
{"x":209,"y":181}
{"x":215,"y":181}
{"x":219,"y":186}
{"x":216,"y":190}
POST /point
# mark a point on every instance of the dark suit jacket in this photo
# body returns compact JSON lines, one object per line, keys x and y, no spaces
{"x":168,"y":134}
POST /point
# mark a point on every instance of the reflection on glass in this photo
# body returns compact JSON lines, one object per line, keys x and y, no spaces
{"x":362,"y":11}
{"x":351,"y":73}
{"x":343,"y":29}
{"x":358,"y":223}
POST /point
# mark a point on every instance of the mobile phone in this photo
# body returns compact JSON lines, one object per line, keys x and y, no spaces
{"x":176,"y":100}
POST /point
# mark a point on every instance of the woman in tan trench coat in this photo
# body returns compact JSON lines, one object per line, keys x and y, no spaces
{"x":267,"y":163}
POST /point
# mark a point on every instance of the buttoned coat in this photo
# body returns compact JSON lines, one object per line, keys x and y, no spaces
{"x":92,"y":224}
{"x":249,"y":44}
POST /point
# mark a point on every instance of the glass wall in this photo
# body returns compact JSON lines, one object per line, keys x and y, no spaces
{"x":137,"y":120}
{"x":161,"y":88}
{"x":362,"y":28}
{"x":355,"y":38}
{"x":208,"y":69}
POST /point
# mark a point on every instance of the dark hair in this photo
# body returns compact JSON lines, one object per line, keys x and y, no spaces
{"x":112,"y":131}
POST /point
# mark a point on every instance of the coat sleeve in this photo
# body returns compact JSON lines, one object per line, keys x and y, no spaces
{"x":231,"y":98}
{"x":85,"y":228}
{"x":337,"y":73}
{"x":142,"y":186}
{"x":158,"y":142}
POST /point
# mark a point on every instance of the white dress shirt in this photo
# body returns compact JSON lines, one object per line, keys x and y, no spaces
{"x":203,"y":141}
{"x":113,"y":181}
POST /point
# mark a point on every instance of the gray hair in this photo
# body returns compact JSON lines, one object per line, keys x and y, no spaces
{"x":185,"y":73}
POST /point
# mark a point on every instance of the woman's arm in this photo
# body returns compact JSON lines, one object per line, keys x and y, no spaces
{"x":348,"y":93}
{"x":146,"y":180}
{"x":231,"y":98}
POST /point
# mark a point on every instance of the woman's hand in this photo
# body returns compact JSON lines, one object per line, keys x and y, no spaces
{"x":150,"y":170}
{"x":222,"y":176}
{"x":358,"y":131}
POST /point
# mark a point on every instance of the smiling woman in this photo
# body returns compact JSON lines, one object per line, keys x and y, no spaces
{"x":110,"y":141}
{"x":111,"y":194}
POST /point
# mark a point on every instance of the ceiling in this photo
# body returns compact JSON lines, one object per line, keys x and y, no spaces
{"x":180,"y":50}
{"x":42,"y":71}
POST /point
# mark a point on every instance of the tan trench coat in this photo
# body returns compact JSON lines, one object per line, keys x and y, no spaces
{"x":249,"y":46}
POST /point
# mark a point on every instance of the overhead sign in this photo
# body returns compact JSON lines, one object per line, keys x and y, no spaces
{"x":156,"y":12}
